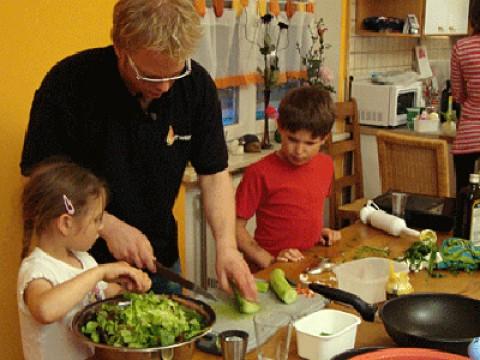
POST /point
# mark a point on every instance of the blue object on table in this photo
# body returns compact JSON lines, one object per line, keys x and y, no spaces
{"x":474,"y":349}
{"x":459,"y":254}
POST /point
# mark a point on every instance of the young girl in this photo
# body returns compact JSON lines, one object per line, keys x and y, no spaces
{"x":63,"y":206}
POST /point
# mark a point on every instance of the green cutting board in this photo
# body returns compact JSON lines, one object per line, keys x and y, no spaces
{"x":228,"y":317}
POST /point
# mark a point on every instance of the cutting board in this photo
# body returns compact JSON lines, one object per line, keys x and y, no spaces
{"x":228,"y":317}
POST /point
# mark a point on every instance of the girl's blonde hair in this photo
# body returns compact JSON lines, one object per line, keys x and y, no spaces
{"x":170,"y":26}
{"x":55,"y":188}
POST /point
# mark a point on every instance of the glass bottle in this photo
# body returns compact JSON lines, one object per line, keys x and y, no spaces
{"x":449,"y":127}
{"x":467,"y":224}
{"x":446,"y":93}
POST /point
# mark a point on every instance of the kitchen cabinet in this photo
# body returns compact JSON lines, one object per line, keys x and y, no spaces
{"x":389,"y":8}
{"x":435,"y":17}
{"x":446,"y":17}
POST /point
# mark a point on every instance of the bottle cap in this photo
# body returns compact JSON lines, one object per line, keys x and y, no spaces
{"x":475,"y":178}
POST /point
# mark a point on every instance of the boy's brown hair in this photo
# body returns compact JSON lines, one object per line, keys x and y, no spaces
{"x":307,"y":108}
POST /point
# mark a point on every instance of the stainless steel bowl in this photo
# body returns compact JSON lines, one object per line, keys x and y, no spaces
{"x":182,"y":350}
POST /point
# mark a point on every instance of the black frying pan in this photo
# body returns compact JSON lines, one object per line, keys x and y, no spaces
{"x":433,"y":320}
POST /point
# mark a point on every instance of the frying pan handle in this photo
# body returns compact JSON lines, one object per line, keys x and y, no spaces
{"x":366,"y":310}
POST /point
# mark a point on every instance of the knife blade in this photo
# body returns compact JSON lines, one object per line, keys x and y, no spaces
{"x":187,"y":284}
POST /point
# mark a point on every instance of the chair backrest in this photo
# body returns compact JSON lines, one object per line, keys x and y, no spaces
{"x":348,"y":181}
{"x":413,"y":164}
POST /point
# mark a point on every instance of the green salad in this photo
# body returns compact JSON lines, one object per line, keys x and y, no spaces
{"x":146,"y":320}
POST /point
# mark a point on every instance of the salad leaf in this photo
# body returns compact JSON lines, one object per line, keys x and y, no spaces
{"x":144,"y":320}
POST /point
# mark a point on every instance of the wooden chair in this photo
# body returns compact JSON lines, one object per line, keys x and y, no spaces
{"x":347,"y":198}
{"x":413,"y":164}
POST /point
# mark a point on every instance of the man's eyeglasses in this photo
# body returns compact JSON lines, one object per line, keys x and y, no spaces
{"x":186,"y":72}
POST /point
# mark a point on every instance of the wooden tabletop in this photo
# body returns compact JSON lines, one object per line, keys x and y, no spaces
{"x":353,"y":238}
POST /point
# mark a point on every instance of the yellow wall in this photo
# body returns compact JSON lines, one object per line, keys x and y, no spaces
{"x":35,"y":34}
{"x":343,"y":60}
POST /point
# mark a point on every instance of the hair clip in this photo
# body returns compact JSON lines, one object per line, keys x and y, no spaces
{"x":68,"y":205}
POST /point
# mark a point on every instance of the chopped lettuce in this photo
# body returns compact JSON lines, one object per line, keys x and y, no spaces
{"x":143,"y":321}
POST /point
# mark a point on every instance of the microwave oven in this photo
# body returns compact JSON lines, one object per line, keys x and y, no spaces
{"x":385,"y":105}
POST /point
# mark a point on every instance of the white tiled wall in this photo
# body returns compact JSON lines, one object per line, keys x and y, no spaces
{"x":368,"y":54}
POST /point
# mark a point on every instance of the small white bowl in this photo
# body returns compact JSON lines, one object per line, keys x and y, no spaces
{"x":325,"y":333}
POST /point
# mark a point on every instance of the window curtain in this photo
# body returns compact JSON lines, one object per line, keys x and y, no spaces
{"x":230,"y":46}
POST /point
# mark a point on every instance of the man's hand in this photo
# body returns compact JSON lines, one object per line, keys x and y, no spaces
{"x":287,"y":255}
{"x":232,"y":266}
{"x":330,"y":236}
{"x":127,"y":243}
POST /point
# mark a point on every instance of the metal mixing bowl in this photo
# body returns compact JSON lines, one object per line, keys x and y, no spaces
{"x":182,"y":350}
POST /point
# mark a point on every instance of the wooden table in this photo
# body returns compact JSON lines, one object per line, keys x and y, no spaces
{"x":353,"y":237}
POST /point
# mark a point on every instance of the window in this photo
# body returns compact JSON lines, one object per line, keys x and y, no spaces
{"x":229,"y":100}
{"x":276,"y":95}
{"x":241,"y":106}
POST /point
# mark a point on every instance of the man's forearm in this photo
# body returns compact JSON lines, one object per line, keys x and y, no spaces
{"x":109,"y":221}
{"x":219,"y":207}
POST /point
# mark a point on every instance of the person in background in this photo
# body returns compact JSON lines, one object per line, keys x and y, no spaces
{"x":63,"y":207}
{"x":286,"y":189}
{"x":465,"y":81}
{"x":136,"y":113}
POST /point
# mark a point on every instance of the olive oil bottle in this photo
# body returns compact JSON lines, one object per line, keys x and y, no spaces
{"x":468,"y":211}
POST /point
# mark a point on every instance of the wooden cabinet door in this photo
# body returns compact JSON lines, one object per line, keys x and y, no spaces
{"x":458,"y":16}
{"x":446,"y":17}
{"x":436,"y":17}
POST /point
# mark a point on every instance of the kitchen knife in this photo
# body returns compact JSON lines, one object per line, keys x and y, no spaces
{"x":173,"y":276}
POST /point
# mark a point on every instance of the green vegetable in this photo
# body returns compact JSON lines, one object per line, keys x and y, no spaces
{"x":262,"y":286}
{"x":323,"y":333}
{"x":245,"y":306}
{"x":281,"y":287}
{"x":367,"y":251}
{"x":149,"y":320}
{"x":424,"y":251}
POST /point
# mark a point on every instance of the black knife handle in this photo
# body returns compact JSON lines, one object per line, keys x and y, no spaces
{"x":366,"y":310}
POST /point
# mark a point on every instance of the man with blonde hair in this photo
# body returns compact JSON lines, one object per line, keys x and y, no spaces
{"x":136,"y":113}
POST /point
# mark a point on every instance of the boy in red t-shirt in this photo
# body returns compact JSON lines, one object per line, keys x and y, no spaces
{"x":286,"y":190}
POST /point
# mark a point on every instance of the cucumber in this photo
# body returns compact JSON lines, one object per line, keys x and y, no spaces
{"x":262,"y":286}
{"x":245,"y":306}
{"x":281,"y":287}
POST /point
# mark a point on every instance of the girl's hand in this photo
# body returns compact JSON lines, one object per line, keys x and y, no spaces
{"x":330,"y":236}
{"x":287,"y":255}
{"x":132,"y":279}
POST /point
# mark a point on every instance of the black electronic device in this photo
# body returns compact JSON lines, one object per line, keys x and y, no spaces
{"x":210,"y":344}
{"x":423,"y":211}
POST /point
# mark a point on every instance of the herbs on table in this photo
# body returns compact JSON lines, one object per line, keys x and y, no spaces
{"x":367,"y":251}
{"x":423,"y":253}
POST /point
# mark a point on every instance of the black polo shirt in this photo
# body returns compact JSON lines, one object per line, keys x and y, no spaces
{"x":84,"y":110}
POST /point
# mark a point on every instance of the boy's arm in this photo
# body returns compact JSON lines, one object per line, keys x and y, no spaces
{"x":330,"y":236}
{"x":250,"y":248}
{"x":48,"y":303}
